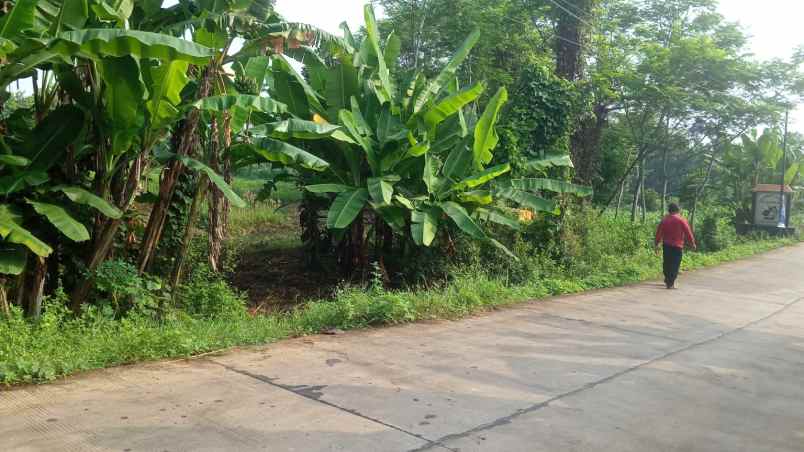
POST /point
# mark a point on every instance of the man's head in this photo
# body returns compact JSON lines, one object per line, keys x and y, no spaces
{"x":673,"y":208}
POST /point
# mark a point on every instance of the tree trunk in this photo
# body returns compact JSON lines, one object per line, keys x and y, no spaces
{"x":637,"y":186}
{"x":5,"y":309}
{"x":104,"y":240}
{"x":356,"y":256}
{"x":570,"y":38}
{"x":34,"y":288}
{"x":642,"y":192}
{"x":585,"y":145}
{"x":700,"y":192}
{"x":218,"y":204}
{"x":359,"y":255}
{"x":192,"y":217}
{"x":620,"y":199}
{"x":188,"y":143}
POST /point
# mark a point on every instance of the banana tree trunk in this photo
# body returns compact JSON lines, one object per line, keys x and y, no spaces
{"x":34,"y":288}
{"x":104,"y":240}
{"x":5,"y":309}
{"x":218,"y":204}
{"x":192,"y":217}
{"x":358,"y":252}
{"x":309,"y":212}
{"x":188,"y":143}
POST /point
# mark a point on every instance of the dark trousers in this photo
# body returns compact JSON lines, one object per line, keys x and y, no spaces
{"x":672,"y":263}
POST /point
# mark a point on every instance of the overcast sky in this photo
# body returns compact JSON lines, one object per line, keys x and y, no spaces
{"x":774,"y":25}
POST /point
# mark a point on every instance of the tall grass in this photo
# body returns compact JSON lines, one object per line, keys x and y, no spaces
{"x":60,"y":344}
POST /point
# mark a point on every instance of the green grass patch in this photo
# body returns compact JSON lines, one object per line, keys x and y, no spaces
{"x":59,"y":344}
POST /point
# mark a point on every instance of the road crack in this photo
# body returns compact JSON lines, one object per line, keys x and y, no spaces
{"x":507,"y":419}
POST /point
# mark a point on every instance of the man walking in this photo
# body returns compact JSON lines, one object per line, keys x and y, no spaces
{"x":673,"y":232}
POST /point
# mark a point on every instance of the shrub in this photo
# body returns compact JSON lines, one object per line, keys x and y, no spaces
{"x":206,"y":295}
{"x":120,"y":288}
{"x":716,"y":232}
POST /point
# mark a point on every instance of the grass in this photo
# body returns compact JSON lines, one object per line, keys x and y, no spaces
{"x":60,"y":345}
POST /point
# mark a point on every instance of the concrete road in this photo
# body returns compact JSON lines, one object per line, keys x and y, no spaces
{"x":715,"y":366}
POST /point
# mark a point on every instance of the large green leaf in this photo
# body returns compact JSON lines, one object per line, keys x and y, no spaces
{"x":12,"y":259}
{"x":552,"y":185}
{"x":452,"y":105}
{"x":214,"y":177}
{"x":118,"y":11}
{"x":458,"y":163}
{"x":328,"y":188}
{"x":346,"y":207}
{"x":19,"y":19}
{"x":257,"y":68}
{"x":528,"y":200}
{"x":58,"y":15}
{"x":62,"y":220}
{"x":430,"y":174}
{"x":279,"y":151}
{"x":386,"y":89}
{"x":496,"y":216}
{"x":549,"y":161}
{"x":48,"y":142}
{"x":117,"y":42}
{"x":292,"y":89}
{"x":124,"y":95}
{"x":381,"y":189}
{"x":361,"y":135}
{"x":79,"y":195}
{"x":169,"y":79}
{"x":296,"y":128}
{"x":227,"y":102}
{"x":342,"y":84}
{"x":463,"y":220}
{"x":393,"y":48}
{"x":389,"y":127}
{"x":486,"y":138}
{"x":447,"y":74}
{"x":482,"y":197}
{"x":502,"y":248}
{"x":424,"y":225}
{"x":481,"y":178}
{"x":12,"y":232}
{"x":13,"y":160}
{"x":395,"y":216}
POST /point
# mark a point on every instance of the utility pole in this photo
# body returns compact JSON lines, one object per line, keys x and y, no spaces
{"x":782,"y":204}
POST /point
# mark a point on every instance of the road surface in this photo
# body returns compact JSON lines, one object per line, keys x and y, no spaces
{"x":715,"y":366}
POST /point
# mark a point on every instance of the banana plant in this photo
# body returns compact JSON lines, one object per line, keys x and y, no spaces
{"x":128,"y":87}
{"x":415,"y":158}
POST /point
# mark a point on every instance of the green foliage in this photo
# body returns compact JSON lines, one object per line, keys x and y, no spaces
{"x":540,"y":120}
{"x":60,"y":344}
{"x":717,"y":231}
{"x":120,"y":289}
{"x":206,"y":295}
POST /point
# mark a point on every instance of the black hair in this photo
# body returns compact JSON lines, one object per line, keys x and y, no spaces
{"x":673,"y":208}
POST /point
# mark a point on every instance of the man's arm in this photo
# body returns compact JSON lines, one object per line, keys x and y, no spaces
{"x":659,"y":232}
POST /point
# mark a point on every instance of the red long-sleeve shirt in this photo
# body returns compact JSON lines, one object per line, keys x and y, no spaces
{"x":673,"y":231}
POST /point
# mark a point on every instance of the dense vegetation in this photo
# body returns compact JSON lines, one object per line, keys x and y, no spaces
{"x":167,"y":158}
